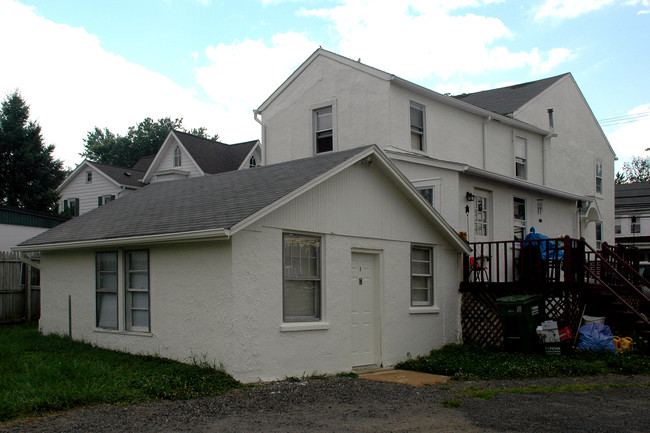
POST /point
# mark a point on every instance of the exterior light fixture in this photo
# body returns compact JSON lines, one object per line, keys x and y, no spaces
{"x":469,"y":196}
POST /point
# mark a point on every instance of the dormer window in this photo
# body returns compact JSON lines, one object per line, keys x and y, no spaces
{"x":177,"y":156}
{"x":89,"y":176}
{"x":252,"y":163}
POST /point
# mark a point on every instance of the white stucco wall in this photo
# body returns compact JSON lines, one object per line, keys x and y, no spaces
{"x":87,"y":192}
{"x":222,"y":300}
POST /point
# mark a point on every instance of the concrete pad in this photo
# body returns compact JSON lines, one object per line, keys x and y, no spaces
{"x":406,"y":377}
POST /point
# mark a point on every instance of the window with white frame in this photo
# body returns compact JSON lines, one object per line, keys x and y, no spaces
{"x":301,"y":293}
{"x":89,"y":176}
{"x":635,"y":225}
{"x":599,"y":235}
{"x":103,"y":199}
{"x":323,"y":130}
{"x":177,"y":157}
{"x":137,"y":290}
{"x":519,"y":216}
{"x":599,"y":177}
{"x":106,"y":289}
{"x":521,"y":145}
{"x":417,"y":126}
{"x":421,"y":276}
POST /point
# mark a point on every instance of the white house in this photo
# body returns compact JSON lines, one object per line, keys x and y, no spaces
{"x":493,"y":163}
{"x":320,"y":264}
{"x":632,"y":226}
{"x":181,"y":155}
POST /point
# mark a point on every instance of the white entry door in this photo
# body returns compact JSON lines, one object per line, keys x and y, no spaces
{"x":364,"y":296}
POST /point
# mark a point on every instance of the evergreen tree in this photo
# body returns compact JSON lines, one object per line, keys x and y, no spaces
{"x":29,"y":174}
{"x":102,"y":145}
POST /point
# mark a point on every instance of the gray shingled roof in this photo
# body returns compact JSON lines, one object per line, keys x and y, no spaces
{"x":631,"y":196}
{"x":122,"y":175}
{"x":201,"y":203}
{"x":213,"y":156}
{"x":507,"y":100}
{"x":144,"y":163}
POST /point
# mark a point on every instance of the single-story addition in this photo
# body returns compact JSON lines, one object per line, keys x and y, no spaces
{"x":320,"y":264}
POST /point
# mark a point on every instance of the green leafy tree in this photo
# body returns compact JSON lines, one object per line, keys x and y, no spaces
{"x":29,"y":174}
{"x":104,"y":146}
{"x":637,"y":170}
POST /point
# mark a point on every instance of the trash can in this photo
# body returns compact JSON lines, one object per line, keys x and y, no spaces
{"x":519,"y":315}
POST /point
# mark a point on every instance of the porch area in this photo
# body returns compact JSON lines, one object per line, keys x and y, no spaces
{"x":573,"y":279}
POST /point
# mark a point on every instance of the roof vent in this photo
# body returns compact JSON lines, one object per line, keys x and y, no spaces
{"x":126,"y":173}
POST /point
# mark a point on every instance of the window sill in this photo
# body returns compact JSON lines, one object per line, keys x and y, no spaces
{"x":304,"y":326}
{"x":424,"y":310}
{"x":118,"y":332}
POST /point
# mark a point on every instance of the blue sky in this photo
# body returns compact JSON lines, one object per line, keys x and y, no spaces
{"x":111,"y":63}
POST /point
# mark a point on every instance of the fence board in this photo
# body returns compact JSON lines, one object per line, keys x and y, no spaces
{"x":13,"y":307}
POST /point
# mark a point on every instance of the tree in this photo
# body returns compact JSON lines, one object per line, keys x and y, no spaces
{"x":102,"y":145}
{"x":29,"y":174}
{"x":637,"y":170}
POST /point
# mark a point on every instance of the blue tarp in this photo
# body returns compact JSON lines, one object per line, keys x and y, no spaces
{"x":596,"y":337}
{"x":547,"y":249}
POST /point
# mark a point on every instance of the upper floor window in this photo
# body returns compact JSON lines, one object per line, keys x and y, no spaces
{"x":177,"y":156}
{"x":301,"y":294}
{"x":89,"y":176}
{"x":599,"y":177}
{"x":635,"y":225}
{"x":520,"y":157}
{"x":617,"y":227}
{"x":323,"y":130}
{"x":417,"y":126}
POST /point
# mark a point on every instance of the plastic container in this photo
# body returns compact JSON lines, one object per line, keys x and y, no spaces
{"x":520,"y":315}
{"x":592,"y":319}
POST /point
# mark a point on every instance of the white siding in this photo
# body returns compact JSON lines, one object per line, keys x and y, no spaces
{"x":166,"y":162}
{"x":87,"y":192}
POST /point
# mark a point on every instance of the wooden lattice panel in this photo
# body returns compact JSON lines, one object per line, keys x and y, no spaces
{"x":480,"y":320}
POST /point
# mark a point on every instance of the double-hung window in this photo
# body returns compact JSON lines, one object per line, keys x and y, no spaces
{"x":635,"y":225}
{"x":301,"y":293}
{"x":89,"y":176}
{"x":417,"y":126}
{"x":421,"y":276}
{"x":177,"y":157}
{"x":520,"y":157}
{"x":599,"y":235}
{"x":71,"y":205}
{"x":323,"y":129}
{"x":137,"y":290}
{"x":599,"y":177}
{"x":106,"y":289}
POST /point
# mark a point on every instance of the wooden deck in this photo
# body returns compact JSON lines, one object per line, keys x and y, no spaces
{"x":572,"y":277}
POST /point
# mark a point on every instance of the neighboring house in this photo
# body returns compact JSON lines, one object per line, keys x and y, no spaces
{"x":632,"y":225}
{"x":319,"y":264}
{"x":17,"y":225}
{"x":181,"y":155}
{"x":494,"y":163}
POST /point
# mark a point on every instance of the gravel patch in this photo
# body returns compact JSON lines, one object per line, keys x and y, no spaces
{"x":352,"y":405}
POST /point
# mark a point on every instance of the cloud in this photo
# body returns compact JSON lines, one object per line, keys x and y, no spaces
{"x":632,"y":138}
{"x":564,"y":9}
{"x":419,"y":39}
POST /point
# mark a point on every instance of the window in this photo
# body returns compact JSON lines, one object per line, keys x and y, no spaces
{"x":421,"y":276}
{"x":106,"y":290}
{"x":103,"y":199}
{"x":617,"y":227}
{"x":324,"y":130}
{"x":417,"y":126}
{"x":427,"y":193}
{"x":519,"y":208}
{"x":599,"y":177}
{"x":480,"y":215}
{"x":252,"y":162}
{"x":599,"y":235}
{"x":520,"y":157}
{"x":177,"y":157}
{"x":635,"y":226}
{"x":137,"y":290}
{"x":301,"y":293}
{"x":89,"y":176}
{"x":71,"y":206}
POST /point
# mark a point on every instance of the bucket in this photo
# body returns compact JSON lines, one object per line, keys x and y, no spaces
{"x":586,"y":320}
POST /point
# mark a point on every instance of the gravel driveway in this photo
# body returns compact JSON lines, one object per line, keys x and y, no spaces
{"x":355,"y":405}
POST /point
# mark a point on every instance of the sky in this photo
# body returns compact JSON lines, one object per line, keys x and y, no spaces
{"x":83,"y":64}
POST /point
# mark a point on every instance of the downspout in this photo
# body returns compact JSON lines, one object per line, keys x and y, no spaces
{"x":547,"y":142}
{"x":257,"y":113}
{"x":28,"y":261}
{"x":485,"y":123}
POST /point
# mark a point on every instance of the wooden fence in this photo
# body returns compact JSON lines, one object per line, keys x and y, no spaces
{"x":20,"y":296}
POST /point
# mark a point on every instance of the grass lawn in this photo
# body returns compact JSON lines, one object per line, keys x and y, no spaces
{"x":475,"y":363}
{"x":41,"y":374}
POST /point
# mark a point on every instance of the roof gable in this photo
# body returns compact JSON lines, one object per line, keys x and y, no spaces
{"x":227,"y":202}
{"x":510,"y":99}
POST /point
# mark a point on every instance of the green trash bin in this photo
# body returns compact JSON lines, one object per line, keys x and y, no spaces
{"x":520,"y":315}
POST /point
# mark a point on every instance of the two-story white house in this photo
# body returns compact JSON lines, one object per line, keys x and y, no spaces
{"x":181,"y":155}
{"x":493,"y":163}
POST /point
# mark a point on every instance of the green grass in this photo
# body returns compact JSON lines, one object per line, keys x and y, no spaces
{"x":488,"y":394}
{"x":41,"y":374}
{"x":475,"y":363}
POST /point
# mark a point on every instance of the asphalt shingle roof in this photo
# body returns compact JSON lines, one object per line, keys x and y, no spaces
{"x":507,"y":100}
{"x":213,"y":156}
{"x":201,"y":203}
{"x":632,"y":195}
{"x":122,"y":175}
